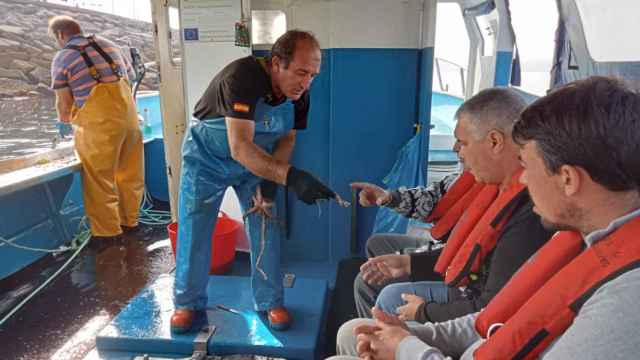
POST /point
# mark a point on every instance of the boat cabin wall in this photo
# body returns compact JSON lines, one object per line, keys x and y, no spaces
{"x":364,"y":104}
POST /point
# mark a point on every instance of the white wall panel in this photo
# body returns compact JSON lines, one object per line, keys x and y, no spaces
{"x":610,"y":29}
{"x":314,"y":16}
{"x":359,"y":23}
{"x":268,"y":4}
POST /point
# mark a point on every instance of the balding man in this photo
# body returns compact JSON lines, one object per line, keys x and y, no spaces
{"x":248,"y":119}
{"x":90,"y":77}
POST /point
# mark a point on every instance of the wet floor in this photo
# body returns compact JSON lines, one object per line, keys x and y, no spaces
{"x":61,"y":322}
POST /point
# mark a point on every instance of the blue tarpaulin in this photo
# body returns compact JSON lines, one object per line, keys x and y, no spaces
{"x":408,"y":171}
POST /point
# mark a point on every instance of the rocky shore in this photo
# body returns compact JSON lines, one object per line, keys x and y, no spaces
{"x":27,"y":116}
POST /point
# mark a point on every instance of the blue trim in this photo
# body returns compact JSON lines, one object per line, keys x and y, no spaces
{"x":426,"y":83}
{"x":53,"y":208}
{"x":261,"y":53}
{"x":425,"y":104}
{"x":154,"y":158}
{"x":503,"y":68}
{"x":155,"y":170}
{"x":151,"y":102}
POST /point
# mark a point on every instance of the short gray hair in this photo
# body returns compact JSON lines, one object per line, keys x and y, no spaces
{"x":495,"y":108}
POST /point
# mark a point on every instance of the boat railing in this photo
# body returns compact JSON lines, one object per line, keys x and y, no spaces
{"x":18,"y":163}
{"x":442,"y":66}
{"x":25,"y":171}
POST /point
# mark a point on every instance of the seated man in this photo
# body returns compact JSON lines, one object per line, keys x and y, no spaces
{"x":576,"y":298}
{"x":499,"y":221}
{"x":378,"y":246}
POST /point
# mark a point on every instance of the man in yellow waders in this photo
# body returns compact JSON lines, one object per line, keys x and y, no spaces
{"x":89,"y":76}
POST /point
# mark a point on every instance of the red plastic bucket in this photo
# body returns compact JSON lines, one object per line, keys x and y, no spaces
{"x":223,"y":242}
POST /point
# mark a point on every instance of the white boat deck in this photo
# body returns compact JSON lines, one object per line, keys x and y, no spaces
{"x":18,"y":174}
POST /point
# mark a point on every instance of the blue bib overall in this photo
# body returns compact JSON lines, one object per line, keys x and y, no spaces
{"x":207,"y":171}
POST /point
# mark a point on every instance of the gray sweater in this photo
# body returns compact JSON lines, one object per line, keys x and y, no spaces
{"x":605,"y":328}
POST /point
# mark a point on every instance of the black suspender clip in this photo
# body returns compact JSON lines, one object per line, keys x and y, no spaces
{"x":93,"y":71}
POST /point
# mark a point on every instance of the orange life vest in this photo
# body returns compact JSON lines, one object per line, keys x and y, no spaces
{"x":478,"y":230}
{"x":452,"y":205}
{"x":465,"y":225}
{"x":544,"y":296}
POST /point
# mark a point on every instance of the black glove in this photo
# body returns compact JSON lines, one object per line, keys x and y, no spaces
{"x":307,"y":187}
{"x":268,"y":189}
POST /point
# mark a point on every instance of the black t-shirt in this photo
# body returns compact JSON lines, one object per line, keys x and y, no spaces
{"x":236,"y":90}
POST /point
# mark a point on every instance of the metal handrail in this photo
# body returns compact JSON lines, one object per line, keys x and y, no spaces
{"x":445,"y":87}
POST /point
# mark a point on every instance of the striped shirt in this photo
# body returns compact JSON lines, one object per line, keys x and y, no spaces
{"x":68,"y":68}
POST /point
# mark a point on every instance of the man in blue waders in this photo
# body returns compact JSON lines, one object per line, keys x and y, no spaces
{"x":248,"y":116}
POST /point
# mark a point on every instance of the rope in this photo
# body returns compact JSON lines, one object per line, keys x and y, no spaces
{"x":61,"y":249}
{"x":79,"y":242}
{"x":148,"y":216}
{"x":82,"y":239}
{"x":83,"y":231}
{"x":263,"y":245}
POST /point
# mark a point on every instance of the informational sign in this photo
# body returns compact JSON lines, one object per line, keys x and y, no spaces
{"x":242,"y":35}
{"x":210,"y":20}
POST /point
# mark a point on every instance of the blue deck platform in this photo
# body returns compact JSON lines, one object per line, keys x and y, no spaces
{"x":143,"y":326}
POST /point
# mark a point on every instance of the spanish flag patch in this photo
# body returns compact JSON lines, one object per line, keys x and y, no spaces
{"x":240,"y":107}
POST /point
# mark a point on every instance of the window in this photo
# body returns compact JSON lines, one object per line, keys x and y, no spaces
{"x":267,"y":26}
{"x":451,"y":51}
{"x":174,"y":25}
{"x":610,"y":28}
{"x":534,"y":23}
{"x":449,"y":75}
